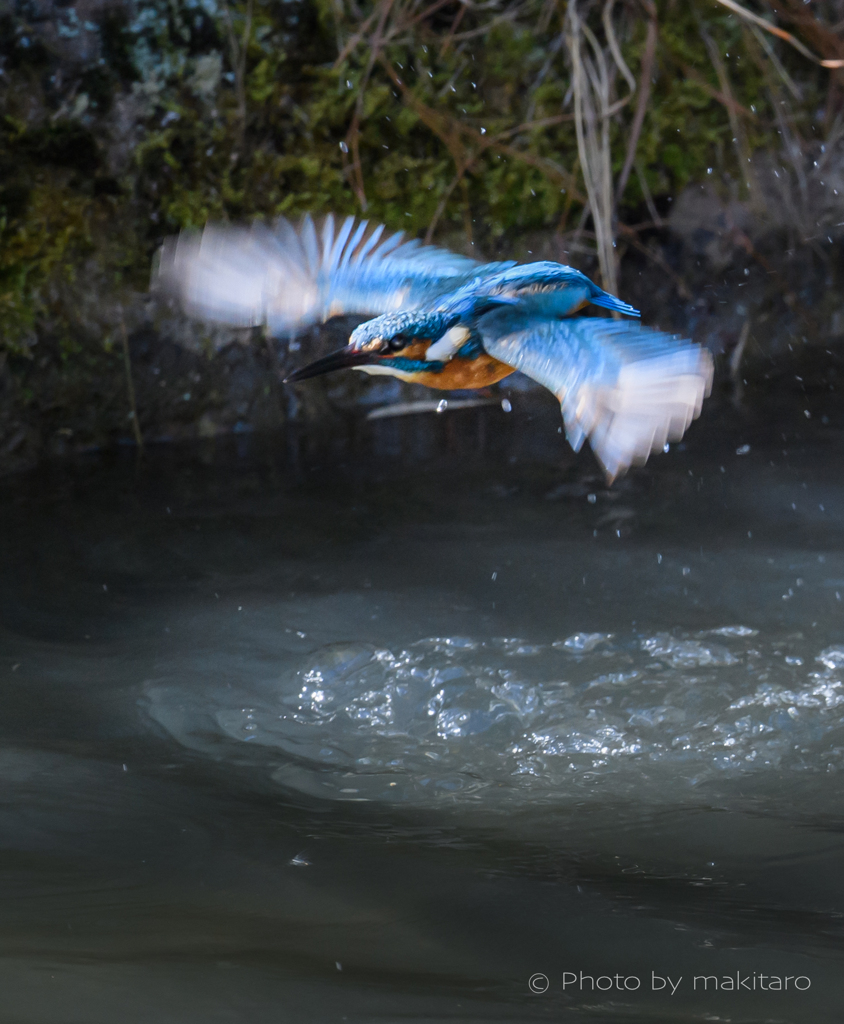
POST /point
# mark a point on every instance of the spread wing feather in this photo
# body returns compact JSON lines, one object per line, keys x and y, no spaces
{"x":289,"y":277}
{"x":626,"y":388}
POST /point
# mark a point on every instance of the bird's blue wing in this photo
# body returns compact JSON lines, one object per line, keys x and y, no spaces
{"x":289,"y":277}
{"x":626,"y":388}
{"x":540,"y":289}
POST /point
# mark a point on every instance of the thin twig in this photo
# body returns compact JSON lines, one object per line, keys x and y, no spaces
{"x":553,"y":50}
{"x":630,"y":236}
{"x":738,"y":351}
{"x":790,"y":297}
{"x":441,"y":205}
{"x":544,"y":122}
{"x":739,"y":138}
{"x":449,"y":130}
{"x":729,"y":102}
{"x":353,"y":41}
{"x":789,"y":82}
{"x":735,"y":363}
{"x":645,"y":75}
{"x":130,"y":386}
{"x":656,"y":220}
{"x":238,"y":59}
{"x":353,"y":134}
{"x":454,"y":27}
{"x":426,"y":13}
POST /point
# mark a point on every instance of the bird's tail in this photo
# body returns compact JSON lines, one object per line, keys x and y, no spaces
{"x":608,"y":301}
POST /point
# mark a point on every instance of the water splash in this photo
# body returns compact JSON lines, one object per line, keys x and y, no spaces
{"x":503,"y":722}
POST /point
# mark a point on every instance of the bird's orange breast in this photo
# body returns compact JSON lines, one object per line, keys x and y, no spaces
{"x":458,"y":373}
{"x":466,"y":373}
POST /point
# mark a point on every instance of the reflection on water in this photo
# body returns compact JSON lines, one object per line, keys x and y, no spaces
{"x":378,"y":725}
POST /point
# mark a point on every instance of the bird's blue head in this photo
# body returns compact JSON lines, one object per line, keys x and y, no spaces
{"x":391,"y":341}
{"x":391,"y":332}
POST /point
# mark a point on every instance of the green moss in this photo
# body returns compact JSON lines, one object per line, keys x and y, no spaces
{"x":316,"y":134}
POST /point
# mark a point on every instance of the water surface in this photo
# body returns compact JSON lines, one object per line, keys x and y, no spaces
{"x":378,"y":722}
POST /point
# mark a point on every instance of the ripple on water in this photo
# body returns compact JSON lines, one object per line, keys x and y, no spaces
{"x":507,"y":722}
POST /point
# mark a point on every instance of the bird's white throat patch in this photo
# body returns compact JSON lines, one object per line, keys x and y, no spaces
{"x":448,"y":344}
{"x":386,"y":371}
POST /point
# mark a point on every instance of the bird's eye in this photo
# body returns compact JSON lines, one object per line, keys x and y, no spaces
{"x":397,"y":342}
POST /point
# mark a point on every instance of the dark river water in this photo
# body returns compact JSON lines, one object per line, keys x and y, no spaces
{"x":382,"y":721}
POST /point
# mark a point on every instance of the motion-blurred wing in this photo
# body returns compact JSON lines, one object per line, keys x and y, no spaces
{"x":627,"y":388}
{"x":288,"y":277}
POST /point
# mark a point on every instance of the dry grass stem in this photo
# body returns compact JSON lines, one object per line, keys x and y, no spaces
{"x":775,"y":30}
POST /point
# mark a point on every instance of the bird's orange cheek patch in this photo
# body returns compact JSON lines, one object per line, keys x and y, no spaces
{"x":415,"y":351}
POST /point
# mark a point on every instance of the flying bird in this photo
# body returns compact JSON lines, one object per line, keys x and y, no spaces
{"x":447,"y":321}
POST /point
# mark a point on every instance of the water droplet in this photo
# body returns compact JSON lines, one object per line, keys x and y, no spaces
{"x":442,"y":405}
{"x":506,"y":405}
{"x":344,"y":148}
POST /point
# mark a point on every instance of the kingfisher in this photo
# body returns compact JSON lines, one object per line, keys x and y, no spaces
{"x":449,"y":322}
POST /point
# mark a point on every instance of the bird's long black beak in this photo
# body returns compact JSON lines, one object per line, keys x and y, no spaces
{"x":340,"y":360}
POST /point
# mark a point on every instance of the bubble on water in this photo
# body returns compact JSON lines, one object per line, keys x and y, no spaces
{"x":686,"y":653}
{"x":832,"y":657}
{"x":731,"y":631}
{"x":515,"y":647}
{"x":614,"y":678}
{"x":583,"y":643}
